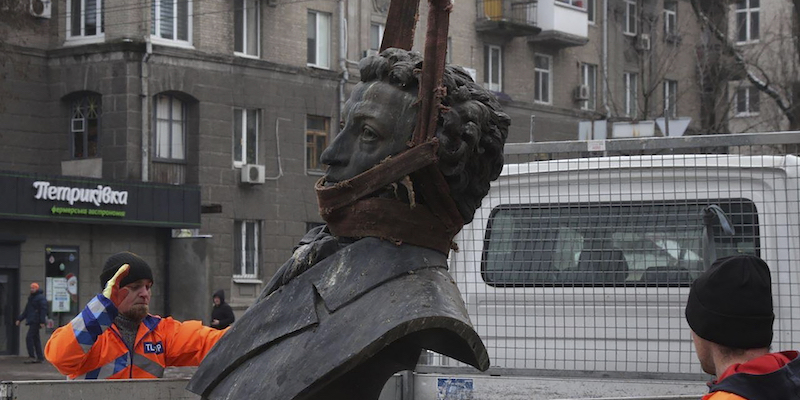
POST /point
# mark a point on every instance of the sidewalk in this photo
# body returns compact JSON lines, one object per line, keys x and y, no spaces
{"x":13,"y":368}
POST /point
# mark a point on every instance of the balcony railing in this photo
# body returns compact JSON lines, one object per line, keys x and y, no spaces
{"x":512,"y":17}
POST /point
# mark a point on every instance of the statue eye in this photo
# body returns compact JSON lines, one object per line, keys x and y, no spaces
{"x":368,"y":134}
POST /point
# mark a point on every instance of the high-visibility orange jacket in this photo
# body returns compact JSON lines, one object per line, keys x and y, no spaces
{"x":768,"y":377}
{"x":90,"y":346}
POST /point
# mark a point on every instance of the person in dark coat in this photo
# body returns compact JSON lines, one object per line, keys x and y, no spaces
{"x":35,"y":316}
{"x":222,"y":314}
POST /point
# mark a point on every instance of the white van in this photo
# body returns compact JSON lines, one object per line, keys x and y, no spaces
{"x":585,"y":264}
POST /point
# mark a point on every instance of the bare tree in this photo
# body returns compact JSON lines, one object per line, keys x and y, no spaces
{"x":664,"y":57}
{"x":771,"y":66}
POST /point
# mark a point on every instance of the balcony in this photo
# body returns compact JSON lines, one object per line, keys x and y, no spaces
{"x":564,"y":23}
{"x":507,"y":17}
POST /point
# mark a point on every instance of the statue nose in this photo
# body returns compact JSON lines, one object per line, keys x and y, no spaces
{"x":333,"y":154}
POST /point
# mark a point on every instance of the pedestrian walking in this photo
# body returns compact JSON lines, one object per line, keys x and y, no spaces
{"x":222,"y":313}
{"x":35,"y":316}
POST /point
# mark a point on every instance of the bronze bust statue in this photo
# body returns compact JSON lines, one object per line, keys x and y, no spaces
{"x":362,"y":296}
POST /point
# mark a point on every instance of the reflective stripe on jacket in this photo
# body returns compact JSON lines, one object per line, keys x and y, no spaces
{"x":90,"y":346}
{"x":722,"y":396}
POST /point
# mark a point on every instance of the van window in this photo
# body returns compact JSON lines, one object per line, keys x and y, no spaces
{"x":609,"y":244}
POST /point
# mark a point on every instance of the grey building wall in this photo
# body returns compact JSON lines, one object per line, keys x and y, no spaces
{"x":35,"y":103}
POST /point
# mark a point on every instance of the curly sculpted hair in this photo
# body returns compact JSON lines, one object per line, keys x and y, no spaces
{"x":472,"y":127}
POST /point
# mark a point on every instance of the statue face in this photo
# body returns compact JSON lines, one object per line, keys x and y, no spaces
{"x":379,"y":120}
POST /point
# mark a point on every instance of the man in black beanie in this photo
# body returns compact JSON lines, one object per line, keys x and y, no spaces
{"x":730,"y":315}
{"x":115,"y":337}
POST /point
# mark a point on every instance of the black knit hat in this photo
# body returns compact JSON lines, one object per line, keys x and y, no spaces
{"x":731,"y":303}
{"x":138,"y":268}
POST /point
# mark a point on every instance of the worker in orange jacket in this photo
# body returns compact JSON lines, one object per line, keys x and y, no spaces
{"x":730,"y":314}
{"x":115,"y":337}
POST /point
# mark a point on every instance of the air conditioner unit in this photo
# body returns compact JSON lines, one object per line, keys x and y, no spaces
{"x":41,"y":8}
{"x":370,"y":52}
{"x":643,"y":42}
{"x":582,"y":92}
{"x":252,"y":174}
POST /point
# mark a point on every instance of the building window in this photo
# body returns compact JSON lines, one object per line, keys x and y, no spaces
{"x":172,"y":20}
{"x":747,"y":12}
{"x":574,"y":3}
{"x":84,"y":18}
{"x":631,"y":94}
{"x":670,"y":19}
{"x":245,"y":136}
{"x":247,"y":21}
{"x":493,"y":67}
{"x":670,"y":98}
{"x":375,"y":36}
{"x":630,"y":17}
{"x":590,"y":4}
{"x":589,"y":79}
{"x":317,"y":129}
{"x":85,"y":126}
{"x":542,"y":78}
{"x":246,"y":248}
{"x":170,"y":128}
{"x":747,"y":101}
{"x":319,"y":40}
{"x":621,"y":243}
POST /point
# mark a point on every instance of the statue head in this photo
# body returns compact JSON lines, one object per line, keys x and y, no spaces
{"x":380,"y":116}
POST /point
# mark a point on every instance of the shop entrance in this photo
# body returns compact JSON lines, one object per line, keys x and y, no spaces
{"x":9,"y":298}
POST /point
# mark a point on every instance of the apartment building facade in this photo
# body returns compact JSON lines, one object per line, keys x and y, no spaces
{"x":762,"y":32}
{"x":211,"y":116}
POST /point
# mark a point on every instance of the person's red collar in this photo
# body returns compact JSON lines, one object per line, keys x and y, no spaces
{"x":761,"y":365}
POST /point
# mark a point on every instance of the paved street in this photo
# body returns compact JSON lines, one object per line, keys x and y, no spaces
{"x":13,"y":368}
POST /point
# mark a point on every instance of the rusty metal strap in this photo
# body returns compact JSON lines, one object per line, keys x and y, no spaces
{"x":391,"y":220}
{"x":388,"y":171}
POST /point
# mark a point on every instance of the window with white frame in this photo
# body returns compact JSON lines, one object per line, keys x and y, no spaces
{"x":247,"y":248}
{"x":247,"y":27}
{"x":574,"y":3}
{"x":84,"y":126}
{"x":589,"y":79}
{"x":671,"y":98}
{"x":493,"y":67}
{"x":747,"y":13}
{"x":170,"y":118}
{"x":172,"y":20}
{"x":319,"y":39}
{"x":670,"y":19}
{"x":245,"y":136}
{"x":590,"y":11}
{"x":85,"y":19}
{"x":317,"y":129}
{"x":630,"y":17}
{"x":542,"y":78}
{"x":631,"y":94}
{"x":747,"y":101}
{"x":375,"y":36}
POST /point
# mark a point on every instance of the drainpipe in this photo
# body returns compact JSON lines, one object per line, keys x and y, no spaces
{"x":342,"y":56}
{"x":146,"y":109}
{"x":605,"y":59}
